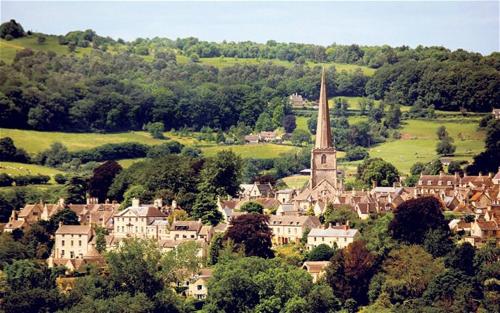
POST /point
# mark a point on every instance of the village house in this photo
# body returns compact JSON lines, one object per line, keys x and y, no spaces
{"x":285,"y":195}
{"x":496,"y":113}
{"x":141,"y":221}
{"x":253,"y":139}
{"x":198,"y":285}
{"x":31,"y":214}
{"x":290,"y":229}
{"x":334,"y":236}
{"x":296,"y":101}
{"x":256,"y":190}
{"x":315,"y":268}
{"x":182,"y":230}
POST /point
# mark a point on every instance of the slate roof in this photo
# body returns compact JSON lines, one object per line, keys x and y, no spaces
{"x":332,"y":232}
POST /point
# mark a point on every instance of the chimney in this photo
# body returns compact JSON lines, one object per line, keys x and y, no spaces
{"x":107,"y":201}
{"x":135,"y":202}
{"x":60,"y":223}
{"x":490,"y":175}
{"x":394,"y":184}
{"x":60,"y":202}
{"x":158,"y":203}
{"x":374,"y":184}
{"x":441,"y":173}
{"x":480,"y":174}
{"x":347,"y":225}
{"x":174,"y":204}
{"x":87,"y":198}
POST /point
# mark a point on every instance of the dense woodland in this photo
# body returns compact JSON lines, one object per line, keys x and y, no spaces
{"x":125,"y":85}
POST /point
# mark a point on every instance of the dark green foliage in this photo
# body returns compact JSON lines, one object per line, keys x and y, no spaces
{"x":488,"y":161}
{"x":300,"y":137}
{"x":65,"y":216}
{"x":221,"y":175}
{"x":252,"y":232}
{"x":156,"y":129}
{"x":11,"y":250}
{"x":12,"y":29}
{"x":442,"y":132}
{"x":9,"y":152}
{"x":252,"y":207}
{"x":415,"y":217}
{"x":24,"y":180}
{"x":215,"y":248}
{"x":112,"y":151}
{"x":102,"y":179}
{"x":75,"y":190}
{"x":356,"y":153}
{"x":289,"y":123}
{"x":455,"y":167}
{"x":461,"y":258}
{"x":312,"y":123}
{"x":438,"y":242}
{"x":321,"y":252}
{"x":55,"y":156}
{"x":377,"y":171}
{"x":60,"y":178}
{"x":5,"y":180}
{"x":446,"y":146}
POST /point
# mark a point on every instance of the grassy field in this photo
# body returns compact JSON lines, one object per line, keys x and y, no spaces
{"x":17,"y":169}
{"x":418,"y":142}
{"x":296,"y":181}
{"x":259,"y":151}
{"x":221,"y":62}
{"x":8,"y":49}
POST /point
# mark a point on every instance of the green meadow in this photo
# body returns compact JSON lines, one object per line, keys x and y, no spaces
{"x":8,"y":49}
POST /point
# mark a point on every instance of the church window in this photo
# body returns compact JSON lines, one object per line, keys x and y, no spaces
{"x":323,"y":158}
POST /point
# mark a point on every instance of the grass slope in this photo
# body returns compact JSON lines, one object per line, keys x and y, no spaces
{"x":8,"y":49}
{"x":258,"y":151}
{"x":17,"y":169}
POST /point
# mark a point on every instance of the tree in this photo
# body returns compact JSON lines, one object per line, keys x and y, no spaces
{"x":438,"y":242}
{"x":300,"y":137}
{"x":102,"y":179}
{"x":60,"y":179}
{"x":377,"y":171}
{"x":66,"y":216}
{"x":393,"y":116}
{"x":342,"y":215}
{"x":5,"y":180}
{"x":12,"y":29}
{"x":356,"y":153}
{"x":221,"y":175}
{"x":446,"y":147}
{"x":264,"y":123}
{"x":350,"y":271}
{"x":156,"y":130}
{"x":252,"y":232}
{"x":55,"y":156}
{"x":321,"y":252}
{"x":100,"y":241}
{"x":75,"y":189}
{"x":289,"y":123}
{"x":215,"y":248}
{"x":442,"y":132}
{"x":455,"y":167}
{"x":415,"y":217}
{"x":312,"y":123}
{"x":408,"y":271}
{"x":461,"y":258}
{"x":252,"y":207}
{"x":205,"y":208}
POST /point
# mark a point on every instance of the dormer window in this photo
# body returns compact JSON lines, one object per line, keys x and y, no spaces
{"x":449,"y":183}
{"x":429,"y":183}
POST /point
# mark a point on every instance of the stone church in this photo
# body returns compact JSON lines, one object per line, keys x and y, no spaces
{"x":324,"y":183}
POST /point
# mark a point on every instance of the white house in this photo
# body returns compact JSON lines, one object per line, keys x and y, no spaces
{"x":339,"y":237}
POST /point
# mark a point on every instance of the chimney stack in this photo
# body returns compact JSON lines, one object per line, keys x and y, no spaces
{"x":135,"y":202}
{"x":174,"y":204}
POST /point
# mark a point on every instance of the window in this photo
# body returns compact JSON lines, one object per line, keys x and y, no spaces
{"x":71,"y":255}
{"x":199,"y":287}
{"x":79,"y":243}
{"x":323,"y":158}
{"x":71,"y":243}
{"x":62,"y":243}
{"x":62,"y":253}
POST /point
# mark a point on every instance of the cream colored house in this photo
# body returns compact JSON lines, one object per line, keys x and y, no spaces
{"x":316,"y":268}
{"x":339,"y":237}
{"x":198,"y":286}
{"x":140,"y":221}
{"x":72,"y":241}
{"x":289,"y":229}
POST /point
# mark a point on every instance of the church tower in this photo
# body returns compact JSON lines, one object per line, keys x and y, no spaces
{"x":323,"y":155}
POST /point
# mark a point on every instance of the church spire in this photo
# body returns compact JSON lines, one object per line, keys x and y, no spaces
{"x":323,"y":130}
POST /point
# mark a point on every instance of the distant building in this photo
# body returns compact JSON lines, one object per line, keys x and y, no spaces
{"x":496,"y":113}
{"x":336,"y":236}
{"x":297,"y":101}
{"x":290,"y":229}
{"x":198,"y":286}
{"x":316,"y":268}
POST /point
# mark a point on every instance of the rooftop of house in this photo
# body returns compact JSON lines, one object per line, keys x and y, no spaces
{"x":288,"y":220}
{"x":315,"y":266}
{"x":74,"y":230}
{"x":332,"y":232}
{"x":186,"y":226}
{"x":141,"y":211}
